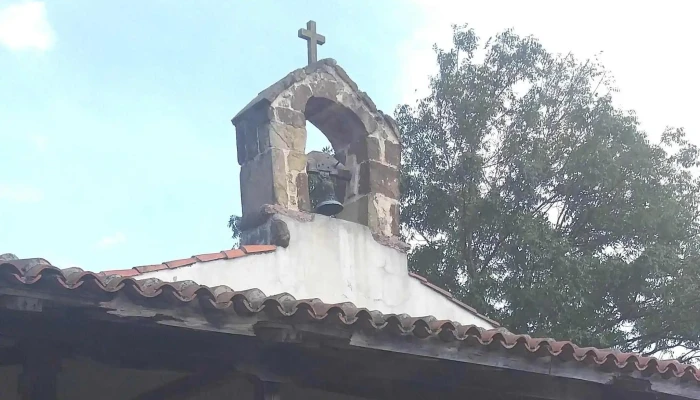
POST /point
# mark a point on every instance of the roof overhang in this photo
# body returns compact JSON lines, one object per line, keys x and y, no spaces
{"x":341,"y":329}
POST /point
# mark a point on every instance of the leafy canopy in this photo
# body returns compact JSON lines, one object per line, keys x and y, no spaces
{"x":528,"y":194}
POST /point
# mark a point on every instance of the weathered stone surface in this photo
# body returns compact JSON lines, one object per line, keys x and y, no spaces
{"x":374,"y":150}
{"x":271,"y":137}
{"x":253,"y":220}
{"x":303,"y":198}
{"x":256,"y":183}
{"x":279,"y":232}
{"x":296,"y":161}
{"x":369,"y":101}
{"x":261,"y":234}
{"x":283,"y":136}
{"x":240,"y":143}
{"x":344,"y":76}
{"x":279,"y":177}
{"x":290,"y":117}
{"x":320,"y":65}
{"x":366,"y":148}
{"x":358,"y":148}
{"x":376,"y":177}
{"x":367,"y":119}
{"x":377,"y":221}
{"x":392,"y":241}
{"x":391,"y":122}
{"x":380,"y":217}
{"x":356,"y":211}
{"x":392,"y":153}
{"x":250,"y":142}
{"x":300,"y":97}
{"x":326,"y":89}
{"x":395,"y":219}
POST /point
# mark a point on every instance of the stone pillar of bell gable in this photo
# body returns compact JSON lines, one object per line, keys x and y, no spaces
{"x":372,"y":195}
{"x":271,"y":145}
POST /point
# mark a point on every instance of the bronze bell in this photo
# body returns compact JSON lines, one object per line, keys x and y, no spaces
{"x":326,"y":169}
{"x":329,"y":204}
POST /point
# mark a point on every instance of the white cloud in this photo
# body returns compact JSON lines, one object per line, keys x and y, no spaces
{"x":646,"y":49}
{"x":20,"y":193}
{"x":111,"y":241}
{"x":25,"y":25}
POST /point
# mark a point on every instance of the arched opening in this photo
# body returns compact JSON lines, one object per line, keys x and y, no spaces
{"x":332,"y":128}
{"x":316,"y":140}
{"x":340,"y":125}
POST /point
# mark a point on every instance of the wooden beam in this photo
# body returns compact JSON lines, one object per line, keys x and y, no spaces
{"x":506,"y":359}
{"x":37,"y":381}
{"x":184,"y":388}
{"x":266,"y":390}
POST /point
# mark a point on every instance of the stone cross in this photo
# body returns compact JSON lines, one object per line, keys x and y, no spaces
{"x":312,"y":38}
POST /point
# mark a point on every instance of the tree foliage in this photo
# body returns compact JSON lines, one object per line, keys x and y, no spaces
{"x":528,"y":194}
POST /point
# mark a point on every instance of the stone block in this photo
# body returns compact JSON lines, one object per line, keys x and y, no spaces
{"x":375,"y":177}
{"x":250,"y":141}
{"x":366,"y":148}
{"x":240,"y":143}
{"x":366,"y":117}
{"x":296,"y":161}
{"x":300,"y":97}
{"x":291,"y":117}
{"x":302,"y":184}
{"x":327,"y":89}
{"x":256,"y":184}
{"x":355,"y":211}
{"x":395,"y":213}
{"x":375,"y":211}
{"x":380,"y":219}
{"x":277,"y":159}
{"x":392,"y":153}
{"x":281,"y":136}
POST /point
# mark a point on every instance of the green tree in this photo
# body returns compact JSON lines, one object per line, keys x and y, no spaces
{"x":528,"y":194}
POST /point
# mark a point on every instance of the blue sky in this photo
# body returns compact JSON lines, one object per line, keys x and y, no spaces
{"x":117,"y":142}
{"x":115,"y":134}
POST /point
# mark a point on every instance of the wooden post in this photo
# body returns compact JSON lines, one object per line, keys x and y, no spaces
{"x":265,"y":390}
{"x":37,"y":381}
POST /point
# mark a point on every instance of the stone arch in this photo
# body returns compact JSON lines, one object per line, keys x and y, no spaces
{"x":338,"y":123}
{"x":271,"y":141}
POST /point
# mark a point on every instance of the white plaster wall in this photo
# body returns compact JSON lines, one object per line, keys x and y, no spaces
{"x":333,"y":260}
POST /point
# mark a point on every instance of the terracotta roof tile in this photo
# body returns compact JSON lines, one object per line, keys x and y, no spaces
{"x":253,"y":301}
{"x":226,"y":254}
{"x":235,"y":253}
{"x":258,"y":248}
{"x":149,"y":268}
{"x":180,"y":263}
{"x":210,"y":256}
{"x":126,"y":272}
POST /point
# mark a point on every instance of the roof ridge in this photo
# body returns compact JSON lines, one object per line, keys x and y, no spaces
{"x":451,"y":297}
